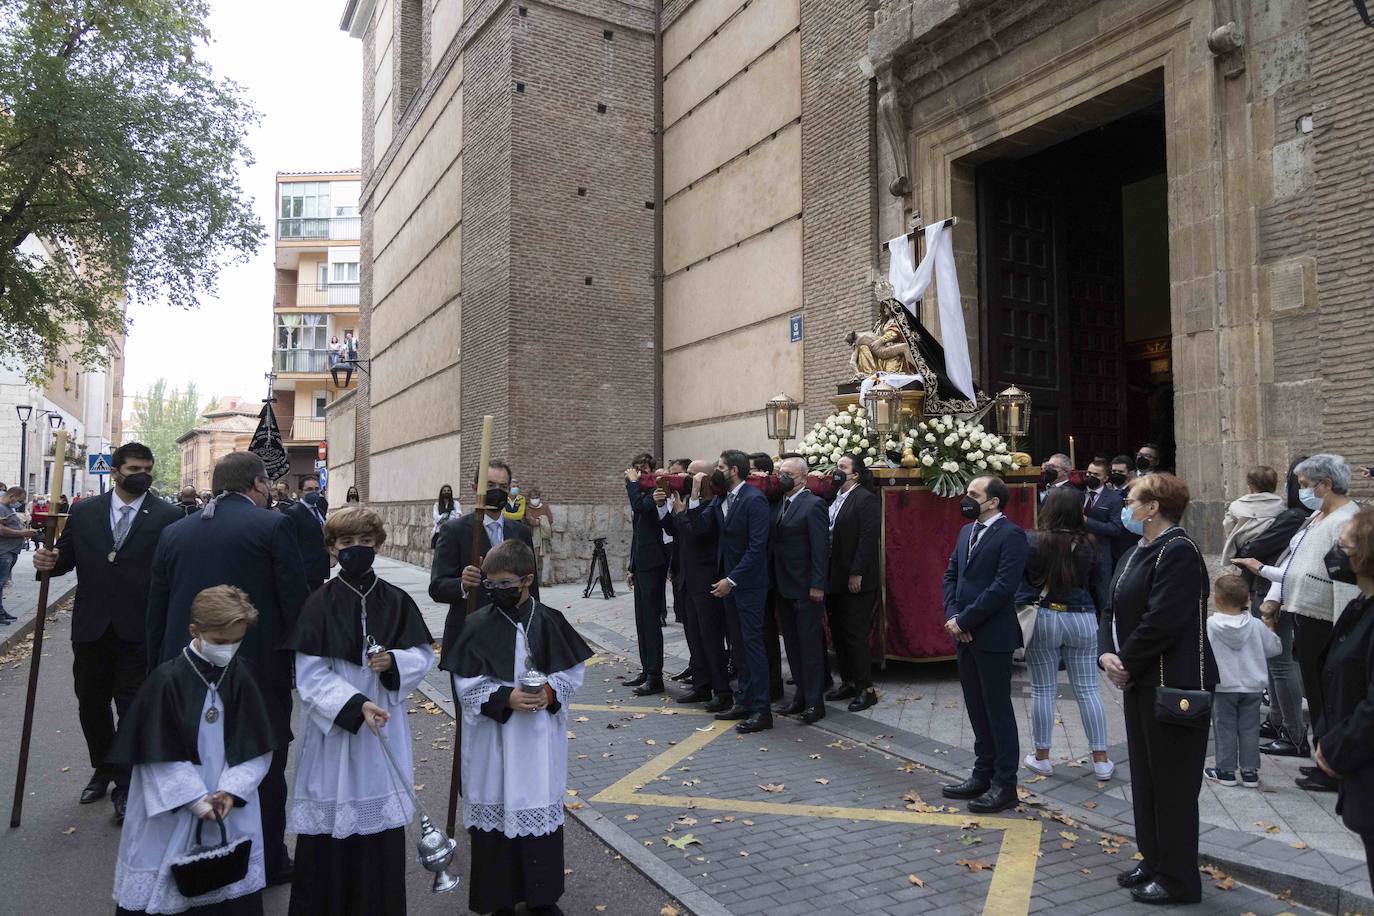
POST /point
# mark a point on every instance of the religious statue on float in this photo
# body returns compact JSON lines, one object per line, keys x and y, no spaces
{"x":883,"y":349}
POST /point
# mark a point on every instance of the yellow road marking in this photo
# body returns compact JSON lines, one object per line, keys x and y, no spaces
{"x":1013,"y":878}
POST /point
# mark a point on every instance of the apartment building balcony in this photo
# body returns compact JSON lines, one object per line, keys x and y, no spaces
{"x":302,"y":429}
{"x":316,"y":295}
{"x":319,"y":228}
{"x":301,"y":360}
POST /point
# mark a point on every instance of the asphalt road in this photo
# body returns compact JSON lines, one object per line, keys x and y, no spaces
{"x":61,"y":860}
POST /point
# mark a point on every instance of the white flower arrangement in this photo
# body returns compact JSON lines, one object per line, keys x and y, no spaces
{"x":846,"y":433}
{"x":953,"y":452}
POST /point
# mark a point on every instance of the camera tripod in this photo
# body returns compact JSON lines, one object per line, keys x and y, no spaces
{"x":600,"y":571}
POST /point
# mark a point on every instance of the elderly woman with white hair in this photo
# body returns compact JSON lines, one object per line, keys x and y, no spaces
{"x":1302,"y":587}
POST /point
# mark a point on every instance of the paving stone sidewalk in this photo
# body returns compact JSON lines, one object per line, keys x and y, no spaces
{"x":21,"y":599}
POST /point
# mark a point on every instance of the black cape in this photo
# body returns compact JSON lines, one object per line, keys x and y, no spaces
{"x":486,"y":645}
{"x":163,"y":723}
{"x":330,"y":623}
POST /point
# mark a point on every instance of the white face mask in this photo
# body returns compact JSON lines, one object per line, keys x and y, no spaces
{"x":218,"y":654}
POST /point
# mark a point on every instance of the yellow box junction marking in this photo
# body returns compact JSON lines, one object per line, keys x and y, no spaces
{"x":1013,"y":878}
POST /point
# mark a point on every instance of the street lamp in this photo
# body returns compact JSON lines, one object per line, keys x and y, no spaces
{"x":25,"y":411}
{"x":1013,"y":414}
{"x":780,"y":416}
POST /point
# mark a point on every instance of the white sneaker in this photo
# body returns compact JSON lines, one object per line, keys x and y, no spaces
{"x":1104,"y":770}
{"x":1043,"y":767}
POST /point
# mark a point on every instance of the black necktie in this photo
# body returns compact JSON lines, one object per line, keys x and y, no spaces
{"x":978,"y":529}
{"x":1092,"y":499}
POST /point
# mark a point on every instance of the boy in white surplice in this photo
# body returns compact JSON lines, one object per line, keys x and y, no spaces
{"x":515,"y":736}
{"x":361,"y":646}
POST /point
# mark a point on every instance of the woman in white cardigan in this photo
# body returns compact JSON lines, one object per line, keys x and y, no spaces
{"x":1303,"y":588}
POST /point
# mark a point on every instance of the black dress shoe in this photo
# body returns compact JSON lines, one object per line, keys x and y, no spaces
{"x":649,"y":688}
{"x":695,"y":695}
{"x":998,"y":798}
{"x":791,"y":709}
{"x":734,"y":712}
{"x":1267,"y":731}
{"x":1154,"y":892}
{"x":812,"y":714}
{"x":842,"y":692}
{"x":758,"y":722}
{"x":635,"y":681}
{"x":1138,"y":875}
{"x":1283,"y":747}
{"x":120,"y":797}
{"x":721,"y":703}
{"x":682,"y":675}
{"x":1310,"y":771}
{"x":1319,"y":783}
{"x":95,"y":789}
{"x":864,"y":700}
{"x":969,"y":788}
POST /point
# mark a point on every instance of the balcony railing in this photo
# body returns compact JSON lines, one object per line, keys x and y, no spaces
{"x":338,"y":228}
{"x":316,"y":294}
{"x":300,"y":360}
{"x":304,"y":428}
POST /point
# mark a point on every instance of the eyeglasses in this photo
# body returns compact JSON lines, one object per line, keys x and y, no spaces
{"x":502,"y":583}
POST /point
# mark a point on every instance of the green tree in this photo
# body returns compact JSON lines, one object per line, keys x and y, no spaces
{"x":161,"y":416}
{"x":119,"y":158}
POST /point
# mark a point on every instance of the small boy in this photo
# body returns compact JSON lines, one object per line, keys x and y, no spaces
{"x":515,"y":736}
{"x":1241,"y":644}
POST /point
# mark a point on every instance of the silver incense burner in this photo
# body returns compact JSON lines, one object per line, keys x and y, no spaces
{"x":433,"y":850}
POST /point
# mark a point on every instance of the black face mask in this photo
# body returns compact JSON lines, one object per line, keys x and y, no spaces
{"x":357,"y":559}
{"x":506,"y":598}
{"x":970,"y":508}
{"x":787,"y":482}
{"x":718,"y":481}
{"x":1048,"y":476}
{"x":1117,"y":478}
{"x":1142,"y":463}
{"x":137,"y":484}
{"x":1092,"y":481}
{"x":1338,"y":565}
{"x":496,"y":498}
{"x":839,"y":477}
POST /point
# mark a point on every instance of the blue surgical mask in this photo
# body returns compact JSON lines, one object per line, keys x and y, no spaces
{"x":1130,"y":523}
{"x":1309,"y":498}
{"x":310,"y":497}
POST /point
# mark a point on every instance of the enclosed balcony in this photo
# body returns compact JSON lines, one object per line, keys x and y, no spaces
{"x":325,"y":228}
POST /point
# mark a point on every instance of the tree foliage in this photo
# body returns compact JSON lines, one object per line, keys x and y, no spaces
{"x":160,"y":417}
{"x":119,"y":158}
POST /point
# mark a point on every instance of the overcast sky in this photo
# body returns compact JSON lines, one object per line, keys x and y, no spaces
{"x":303,"y":75}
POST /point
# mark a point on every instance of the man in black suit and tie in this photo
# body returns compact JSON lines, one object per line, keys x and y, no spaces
{"x":307,"y":516}
{"x":855,"y":532}
{"x":109,"y":541}
{"x":980,"y":615}
{"x":236,"y":540}
{"x":703,"y":614}
{"x":648,"y":575}
{"x":800,"y":549}
{"x":1102,"y":510}
{"x":740,"y":517}
{"x":454,"y":571}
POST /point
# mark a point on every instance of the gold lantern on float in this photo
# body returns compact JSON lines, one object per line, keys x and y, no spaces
{"x":1013,"y":407}
{"x":780,"y":416}
{"x":884,"y":406}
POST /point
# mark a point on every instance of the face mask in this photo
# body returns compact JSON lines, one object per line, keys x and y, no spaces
{"x":1117,"y":478}
{"x":514,"y":492}
{"x":1338,"y":565}
{"x":718,"y":480}
{"x":506,"y":598}
{"x":1092,"y":481}
{"x":839,"y":477}
{"x":787,"y":482}
{"x":137,"y":484}
{"x":495,"y":498}
{"x":218,"y":654}
{"x":536,"y":502}
{"x":310,"y":498}
{"x":357,"y":559}
{"x":970,"y":508}
{"x":1142,"y":463}
{"x":1309,"y":498}
{"x":1130,"y":523}
{"x":1048,"y":476}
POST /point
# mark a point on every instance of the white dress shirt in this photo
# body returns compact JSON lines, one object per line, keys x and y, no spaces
{"x":117,"y":501}
{"x":835,"y":506}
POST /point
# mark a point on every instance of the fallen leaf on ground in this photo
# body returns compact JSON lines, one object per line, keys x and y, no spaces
{"x":669,"y":911}
{"x":747,"y":823}
{"x":572,"y":804}
{"x":1041,"y":778}
{"x":650,"y":741}
{"x":1212,"y":871}
{"x":1267,"y":827}
{"x":567,"y":871}
{"x":632,"y":817}
{"x":1227,"y":883}
{"x":582,"y":719}
{"x":772,"y":786}
{"x":1090,"y":805}
{"x":815,"y":756}
{"x":840,"y":745}
{"x":687,"y":821}
{"x":743,"y":854}
{"x":916,"y":881}
{"x":1298,"y":845}
{"x":973,"y":864}
{"x":824,"y":782}
{"x":969,"y":839}
{"x":683,"y":841}
{"x":66,"y":769}
{"x":572,"y":791}
{"x":600,"y":907}
{"x":1071,"y":837}
{"x":69,"y":831}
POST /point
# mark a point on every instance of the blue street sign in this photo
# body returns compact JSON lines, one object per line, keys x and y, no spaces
{"x":796,"y":328}
{"x":98,"y":464}
{"x":324,"y":478}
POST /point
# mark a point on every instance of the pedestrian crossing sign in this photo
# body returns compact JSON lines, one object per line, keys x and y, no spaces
{"x":98,"y":464}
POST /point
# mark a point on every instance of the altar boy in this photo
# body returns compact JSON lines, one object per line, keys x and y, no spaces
{"x":361,"y":646}
{"x":515,"y":738}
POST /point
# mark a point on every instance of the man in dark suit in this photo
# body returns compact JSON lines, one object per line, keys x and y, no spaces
{"x":109,"y":541}
{"x":454,"y":571}
{"x":1102,"y":510}
{"x":855,"y":532}
{"x":307,"y":516}
{"x":236,"y":540}
{"x":648,"y":575}
{"x":761,"y":466}
{"x":187,"y":503}
{"x":800,"y":549}
{"x":703,"y":614}
{"x":739,"y":516}
{"x":980,"y":615}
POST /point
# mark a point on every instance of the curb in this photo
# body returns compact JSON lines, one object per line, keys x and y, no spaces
{"x":22,"y":629}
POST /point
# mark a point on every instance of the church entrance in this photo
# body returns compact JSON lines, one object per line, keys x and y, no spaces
{"x":1074,"y":279}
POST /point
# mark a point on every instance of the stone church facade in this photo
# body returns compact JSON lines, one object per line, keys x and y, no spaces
{"x":604,"y":222}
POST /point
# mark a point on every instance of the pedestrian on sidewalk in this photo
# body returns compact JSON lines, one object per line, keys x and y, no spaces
{"x":1068,"y":574}
{"x":1345,"y":751}
{"x":703,"y":614}
{"x":799,"y":548}
{"x":1154,"y":635}
{"x":1242,"y":645}
{"x":647,"y":574}
{"x":979,"y":592}
{"x":110,"y":542}
{"x":13,"y":533}
{"x":852,"y":594}
{"x":1252,"y":514}
{"x":444,"y":510}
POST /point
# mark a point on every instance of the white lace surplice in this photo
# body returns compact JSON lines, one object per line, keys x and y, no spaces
{"x":344,"y":784}
{"x":157,"y":829}
{"x":514,"y":775}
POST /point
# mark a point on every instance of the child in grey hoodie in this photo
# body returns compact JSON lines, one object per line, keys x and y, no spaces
{"x":1241,"y":644}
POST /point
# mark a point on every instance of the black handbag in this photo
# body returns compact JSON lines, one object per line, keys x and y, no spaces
{"x":208,"y":868}
{"x":1176,"y":705}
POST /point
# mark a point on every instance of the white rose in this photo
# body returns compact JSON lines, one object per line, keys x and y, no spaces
{"x":950,"y":466}
{"x":982,"y":465}
{"x":868,"y":462}
{"x":1001,"y":446}
{"x":873,"y":451}
{"x":979,"y":427}
{"x":948,"y":440}
{"x":863,"y":443}
{"x":947,"y":420}
{"x":813,"y":460}
{"x":835,"y":456}
{"x":853,"y":408}
{"x":930,"y":437}
{"x":927,"y":461}
{"x":940,"y":428}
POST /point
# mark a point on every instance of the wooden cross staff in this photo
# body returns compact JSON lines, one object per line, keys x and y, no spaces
{"x":52,"y":530}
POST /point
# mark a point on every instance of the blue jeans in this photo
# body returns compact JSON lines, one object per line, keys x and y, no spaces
{"x":6,"y":569}
{"x":1235,"y":722}
{"x":1071,"y":635}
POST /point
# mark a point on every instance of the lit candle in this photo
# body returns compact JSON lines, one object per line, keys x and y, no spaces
{"x":1013,"y":419}
{"x":782,"y":420}
{"x":1073,"y":463}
